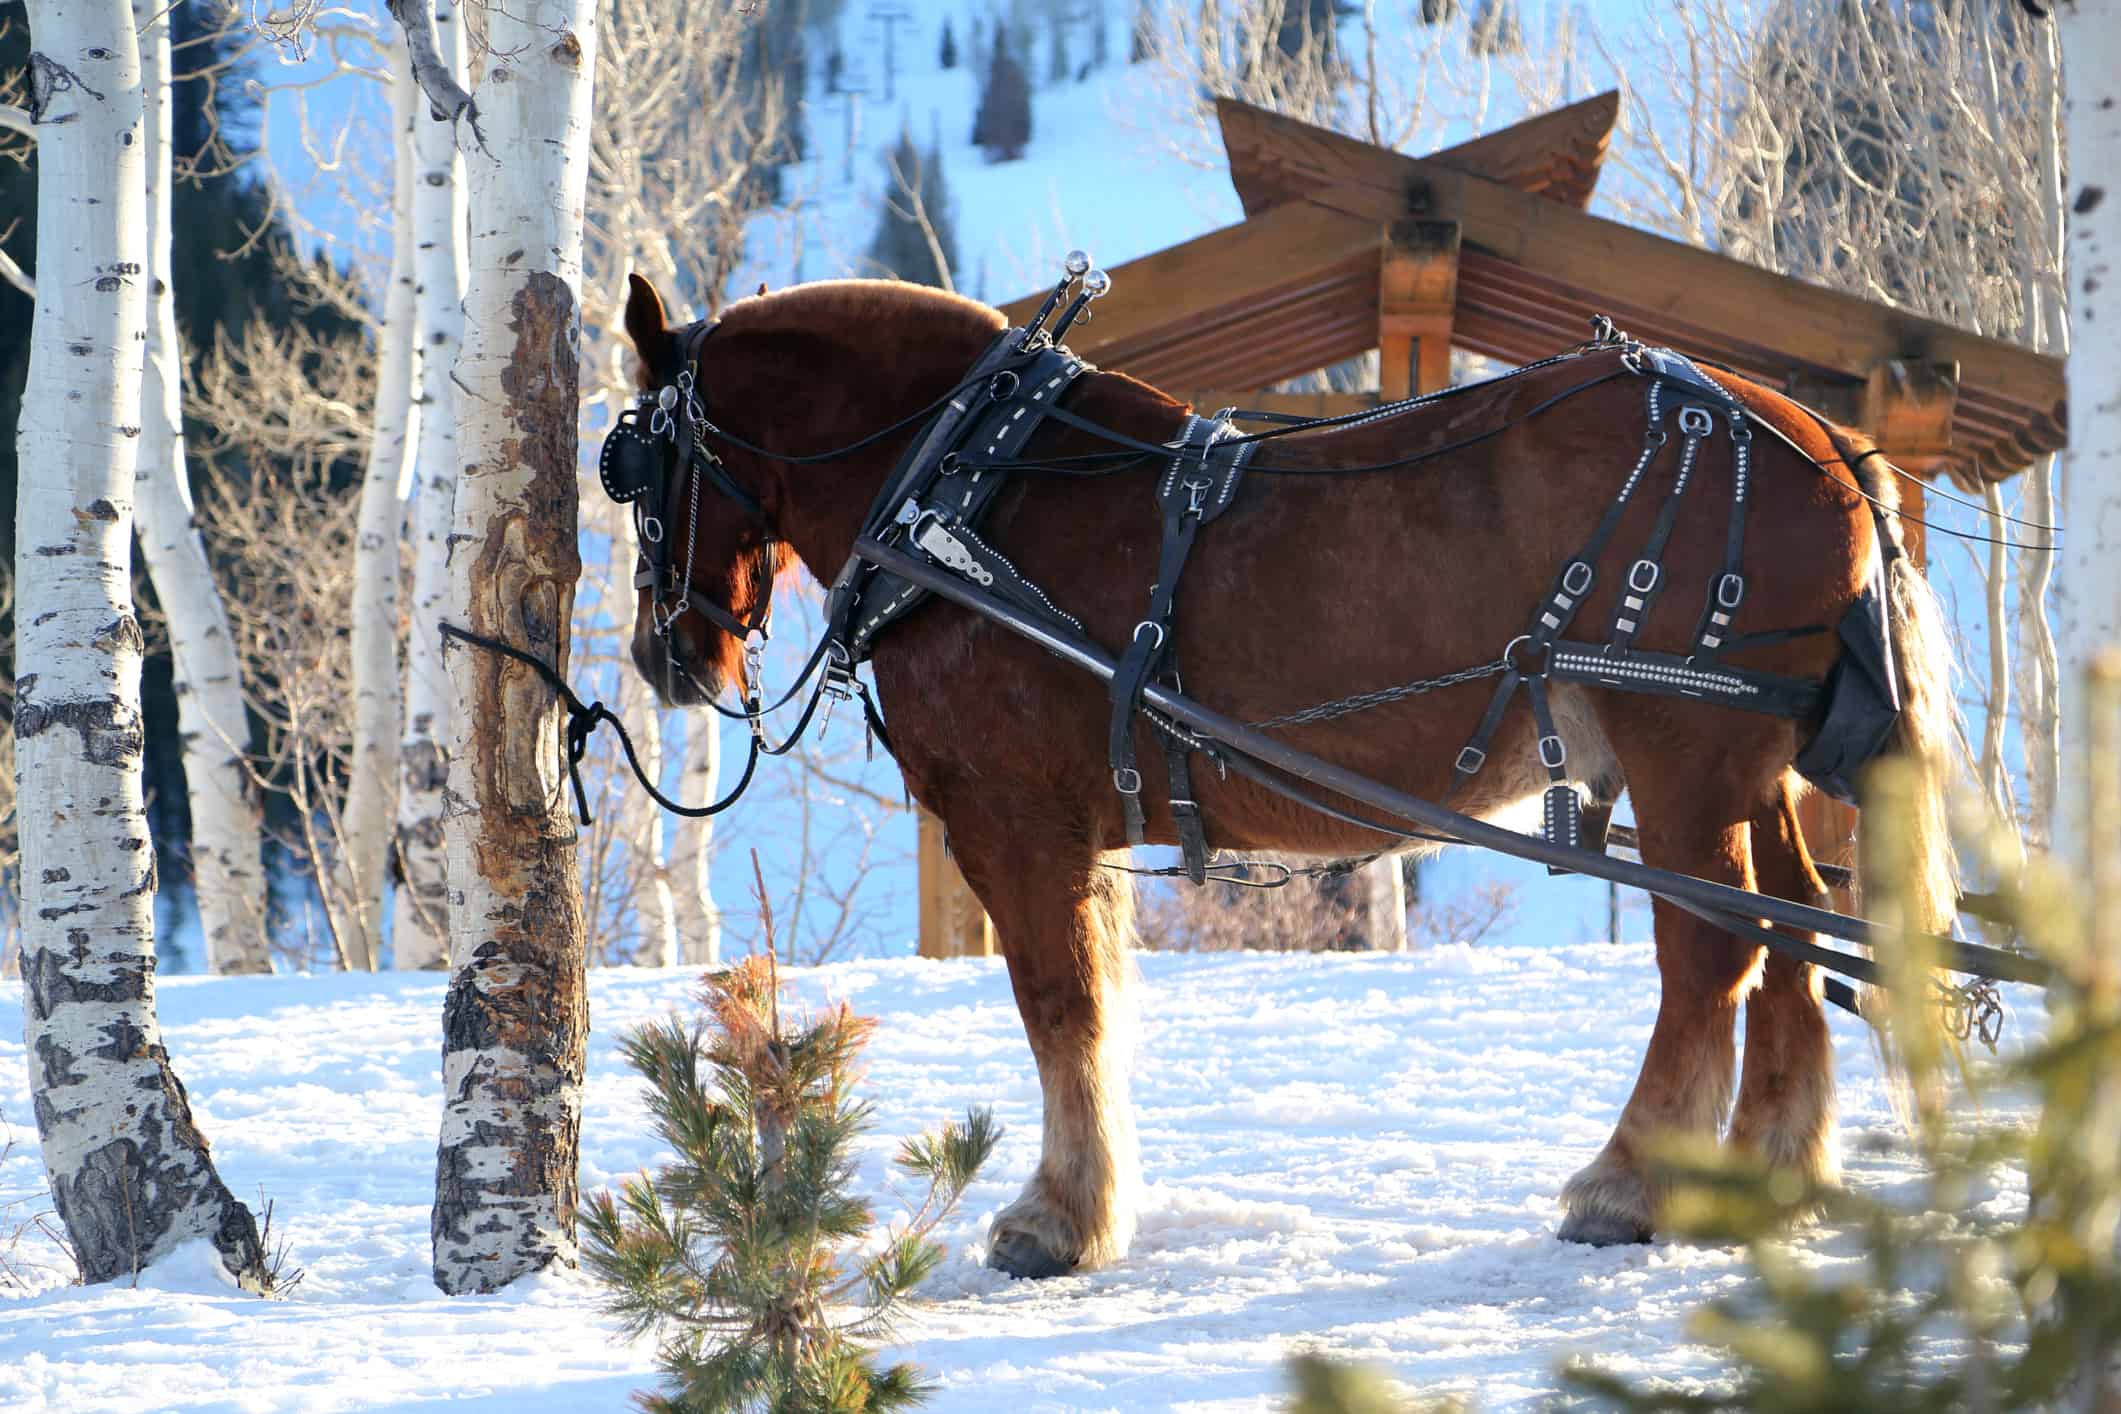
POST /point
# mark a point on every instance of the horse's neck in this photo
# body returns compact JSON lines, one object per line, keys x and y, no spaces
{"x":826,"y":503}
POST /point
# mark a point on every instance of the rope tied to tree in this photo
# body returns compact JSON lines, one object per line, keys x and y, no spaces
{"x":584,"y":718}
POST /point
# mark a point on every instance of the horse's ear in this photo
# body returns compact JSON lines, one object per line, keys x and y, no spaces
{"x":645,"y":323}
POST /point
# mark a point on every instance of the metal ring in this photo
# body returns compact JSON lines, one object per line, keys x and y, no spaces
{"x":1150,"y":623}
{"x":1694,"y":420}
{"x":1002,"y":386}
{"x":1509,"y":656}
{"x":651,"y":530}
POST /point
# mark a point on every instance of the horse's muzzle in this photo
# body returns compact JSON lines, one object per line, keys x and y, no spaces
{"x":666,"y":663}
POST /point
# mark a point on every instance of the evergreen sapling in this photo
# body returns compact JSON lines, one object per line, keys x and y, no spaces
{"x":744,"y":1254}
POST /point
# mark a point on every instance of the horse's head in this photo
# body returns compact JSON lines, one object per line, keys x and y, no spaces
{"x":707,"y":554}
{"x":820,"y":366}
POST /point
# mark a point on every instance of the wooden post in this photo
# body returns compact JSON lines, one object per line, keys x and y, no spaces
{"x":1907,"y":409}
{"x":1416,"y":289}
{"x":952,"y":922}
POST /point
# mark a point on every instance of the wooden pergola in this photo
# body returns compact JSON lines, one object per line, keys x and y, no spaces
{"x":1487,"y":246}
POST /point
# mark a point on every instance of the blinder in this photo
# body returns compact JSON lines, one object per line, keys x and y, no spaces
{"x":656,"y":450}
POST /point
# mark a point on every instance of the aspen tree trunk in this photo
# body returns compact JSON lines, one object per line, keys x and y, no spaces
{"x":692,"y":848}
{"x":368,"y":824}
{"x":420,"y":928}
{"x":130,"y":1173}
{"x":228,"y":877}
{"x":515,"y":1026}
{"x":637,"y":821}
{"x":659,"y":913}
{"x":2047,"y":329}
{"x":2090,"y":569}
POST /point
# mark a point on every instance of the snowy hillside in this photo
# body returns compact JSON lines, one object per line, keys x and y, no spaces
{"x":1099,"y":174}
{"x":1353,"y":1153}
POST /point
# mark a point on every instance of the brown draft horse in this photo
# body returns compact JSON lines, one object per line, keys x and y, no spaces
{"x":1310,"y":588}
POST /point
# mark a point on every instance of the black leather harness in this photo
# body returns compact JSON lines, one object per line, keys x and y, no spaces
{"x":935,"y":500}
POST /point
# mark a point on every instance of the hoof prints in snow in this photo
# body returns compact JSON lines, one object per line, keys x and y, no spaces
{"x":1355,"y":1153}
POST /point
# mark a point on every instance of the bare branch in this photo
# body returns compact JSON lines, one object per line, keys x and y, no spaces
{"x":17,"y":120}
{"x":431,"y":71}
{"x":13,"y":274}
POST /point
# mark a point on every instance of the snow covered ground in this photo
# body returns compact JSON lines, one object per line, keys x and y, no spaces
{"x":1357,"y":1153}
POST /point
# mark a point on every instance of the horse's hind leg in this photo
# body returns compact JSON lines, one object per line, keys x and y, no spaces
{"x":1694,"y":826}
{"x":1062,"y":923}
{"x":1785,"y":1107}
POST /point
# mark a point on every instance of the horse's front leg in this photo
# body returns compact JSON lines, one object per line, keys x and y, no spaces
{"x":1063,"y":923}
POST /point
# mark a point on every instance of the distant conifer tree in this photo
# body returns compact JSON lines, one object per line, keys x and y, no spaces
{"x":1058,"y":67}
{"x":1002,"y":127}
{"x":1494,"y":29}
{"x":948,"y":58}
{"x":914,"y":188}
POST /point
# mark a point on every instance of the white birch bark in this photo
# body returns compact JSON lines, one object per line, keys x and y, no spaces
{"x":638,"y":819}
{"x":2039,"y":663}
{"x":368,"y":823}
{"x":129,"y":1169}
{"x":692,"y":846}
{"x":515,"y":1026}
{"x":228,"y":876}
{"x":2089,"y":598}
{"x":420,"y":927}
{"x":644,"y":819}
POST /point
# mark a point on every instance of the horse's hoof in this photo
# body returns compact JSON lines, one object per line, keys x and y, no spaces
{"x":1019,"y":1255}
{"x":1602,"y":1230}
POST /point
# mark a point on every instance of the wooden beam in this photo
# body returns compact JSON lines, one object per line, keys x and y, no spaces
{"x":1556,"y":155}
{"x":1188,"y":284}
{"x":1417,"y":289}
{"x":1907,"y":410}
{"x":952,"y":923}
{"x":1699,"y":289}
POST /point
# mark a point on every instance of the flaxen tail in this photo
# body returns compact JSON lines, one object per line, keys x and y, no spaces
{"x":1924,"y":878}
{"x":1923,"y":736}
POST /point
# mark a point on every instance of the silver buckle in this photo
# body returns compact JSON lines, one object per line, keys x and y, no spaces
{"x":1469,"y":760}
{"x":1730,"y":591}
{"x":1635,"y":580}
{"x":950,"y":552}
{"x":1555,"y":758}
{"x":1123,"y":776}
{"x":1574,"y":585}
{"x":1694,"y":420}
{"x":1150,"y":623}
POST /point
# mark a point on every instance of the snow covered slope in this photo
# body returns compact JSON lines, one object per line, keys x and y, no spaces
{"x":1354,"y":1153}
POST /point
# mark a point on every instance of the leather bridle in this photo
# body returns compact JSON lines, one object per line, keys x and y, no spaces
{"x":652,"y":470}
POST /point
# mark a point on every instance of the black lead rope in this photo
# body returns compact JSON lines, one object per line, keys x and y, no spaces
{"x":582,"y":722}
